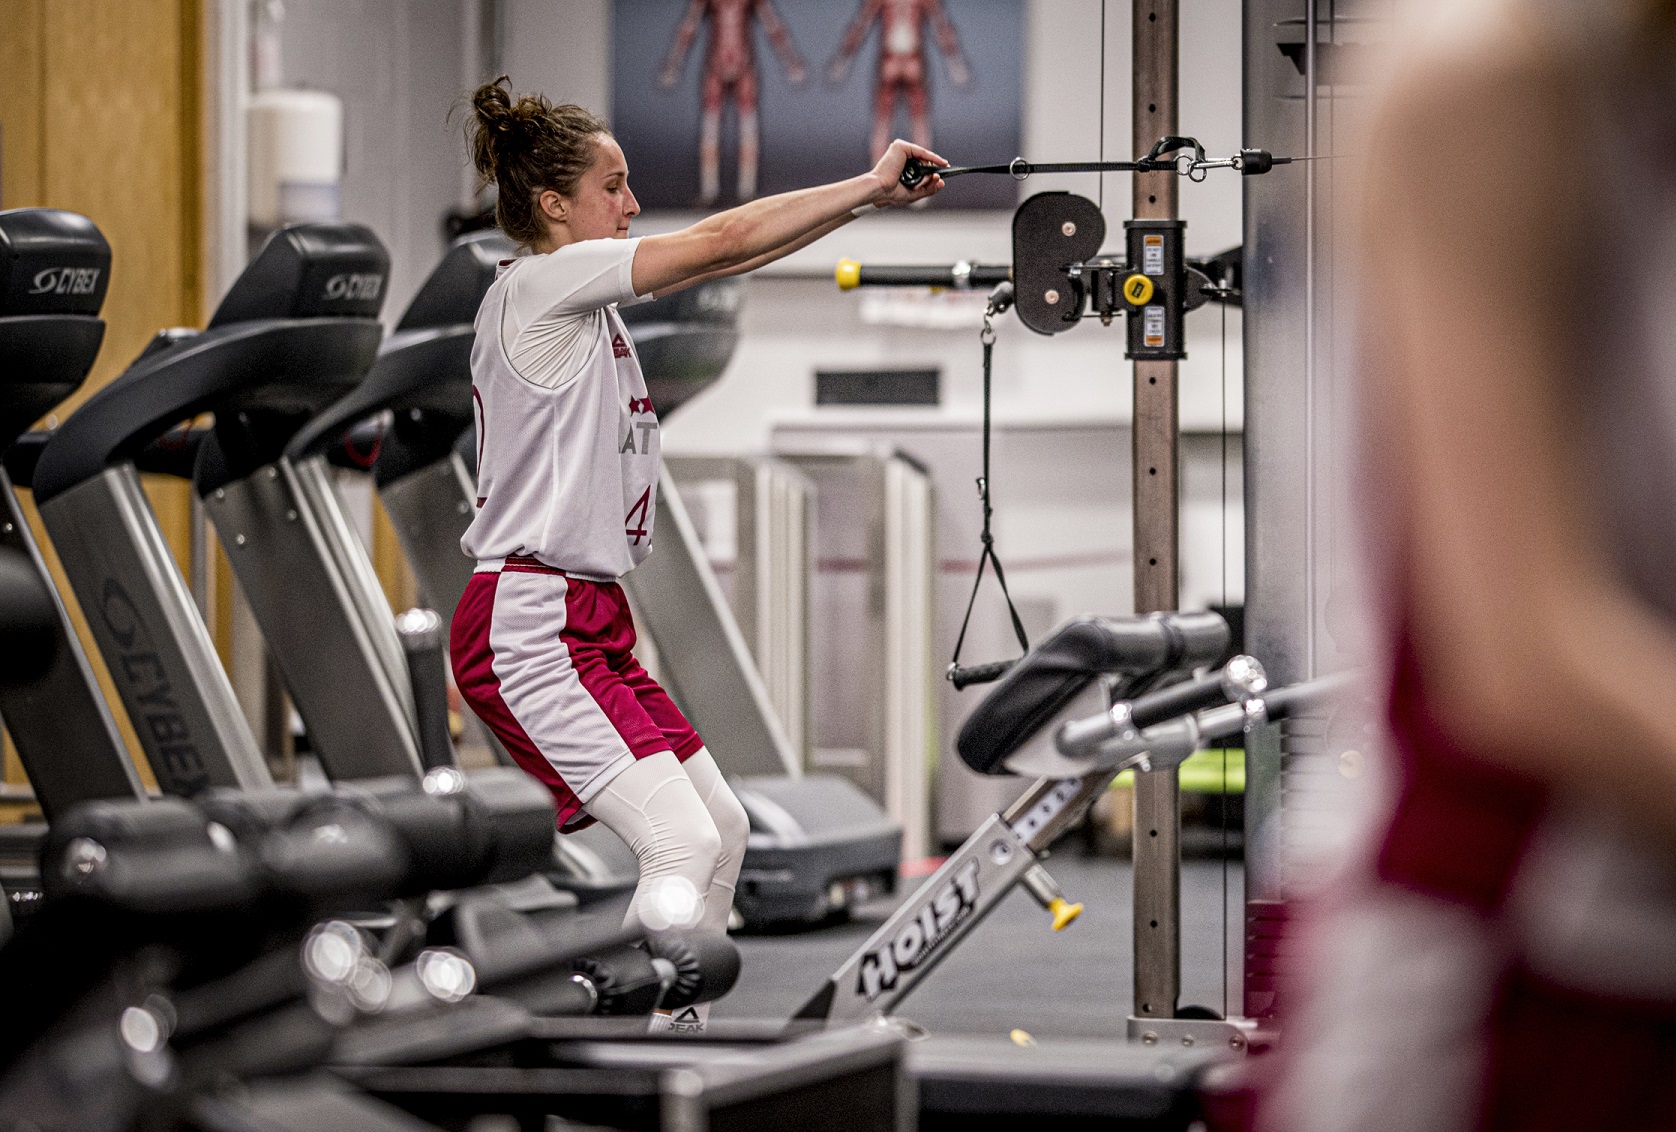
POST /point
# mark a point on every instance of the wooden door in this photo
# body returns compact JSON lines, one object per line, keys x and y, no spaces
{"x":101,"y":113}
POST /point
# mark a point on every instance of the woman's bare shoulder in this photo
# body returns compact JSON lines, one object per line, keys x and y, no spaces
{"x":1475,"y":149}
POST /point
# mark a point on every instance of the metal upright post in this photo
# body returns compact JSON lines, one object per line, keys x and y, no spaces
{"x":1157,"y":853}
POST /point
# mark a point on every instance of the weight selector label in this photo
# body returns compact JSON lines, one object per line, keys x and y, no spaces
{"x":1152,"y":255}
{"x":916,"y":940}
{"x":1152,"y":327}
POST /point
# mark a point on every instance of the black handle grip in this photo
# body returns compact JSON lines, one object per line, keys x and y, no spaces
{"x":1178,"y":700}
{"x":957,"y":276}
{"x":624,"y":978}
{"x":155,"y":858}
{"x":914,"y":171}
{"x":421,"y":631}
{"x":1240,"y":677}
{"x":963,"y":677}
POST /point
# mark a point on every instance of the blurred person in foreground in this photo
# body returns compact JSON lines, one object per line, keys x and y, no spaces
{"x":1505,"y":958}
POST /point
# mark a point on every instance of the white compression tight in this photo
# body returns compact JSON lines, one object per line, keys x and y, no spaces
{"x":680,"y":819}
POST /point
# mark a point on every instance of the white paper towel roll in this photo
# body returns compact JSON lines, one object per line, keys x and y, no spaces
{"x":296,"y":156}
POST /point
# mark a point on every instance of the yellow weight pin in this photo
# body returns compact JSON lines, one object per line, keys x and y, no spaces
{"x":1064,"y":912}
{"x":849,"y":275}
{"x":1049,"y":895}
{"x":1137,"y":289}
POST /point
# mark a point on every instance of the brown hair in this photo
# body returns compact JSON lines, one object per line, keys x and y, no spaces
{"x":526,"y":145}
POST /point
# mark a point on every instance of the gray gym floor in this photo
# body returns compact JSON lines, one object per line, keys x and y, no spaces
{"x":1013,"y":970}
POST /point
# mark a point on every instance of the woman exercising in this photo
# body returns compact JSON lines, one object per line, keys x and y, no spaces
{"x":567,"y":476}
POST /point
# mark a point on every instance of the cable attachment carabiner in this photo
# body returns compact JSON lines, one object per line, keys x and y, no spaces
{"x":1000,"y":301}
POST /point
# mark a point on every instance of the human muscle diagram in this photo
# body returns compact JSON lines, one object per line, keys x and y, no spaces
{"x":904,"y":72}
{"x":719,"y":102}
{"x":730,"y":74}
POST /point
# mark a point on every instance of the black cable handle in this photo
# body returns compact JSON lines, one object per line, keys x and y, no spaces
{"x":960,"y":677}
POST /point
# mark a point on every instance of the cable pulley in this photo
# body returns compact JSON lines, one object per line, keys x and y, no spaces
{"x":1058,"y":274}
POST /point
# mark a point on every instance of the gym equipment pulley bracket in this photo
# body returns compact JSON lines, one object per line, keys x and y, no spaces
{"x":1058,"y":275}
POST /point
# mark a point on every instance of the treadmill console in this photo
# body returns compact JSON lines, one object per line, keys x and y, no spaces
{"x":310,"y":271}
{"x":54,"y":268}
{"x":51,"y":262}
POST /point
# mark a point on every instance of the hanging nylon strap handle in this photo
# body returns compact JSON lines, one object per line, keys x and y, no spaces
{"x":983,"y":673}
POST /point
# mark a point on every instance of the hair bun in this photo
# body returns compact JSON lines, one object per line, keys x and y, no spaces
{"x":524,"y":144}
{"x":494,"y":121}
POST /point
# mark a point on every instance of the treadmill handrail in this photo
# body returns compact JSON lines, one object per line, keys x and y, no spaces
{"x":427,"y":369}
{"x":219,"y":369}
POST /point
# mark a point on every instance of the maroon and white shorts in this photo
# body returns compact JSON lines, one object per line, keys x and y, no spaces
{"x":546,"y":661}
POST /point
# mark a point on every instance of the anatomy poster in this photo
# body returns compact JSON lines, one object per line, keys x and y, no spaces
{"x":719,"y":101}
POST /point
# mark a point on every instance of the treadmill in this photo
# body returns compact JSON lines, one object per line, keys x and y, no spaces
{"x":54,"y":268}
{"x":817,"y":843}
{"x":297,"y":330}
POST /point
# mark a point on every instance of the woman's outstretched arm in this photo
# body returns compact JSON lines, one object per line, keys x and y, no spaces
{"x":763,"y":230}
{"x":780,"y":252}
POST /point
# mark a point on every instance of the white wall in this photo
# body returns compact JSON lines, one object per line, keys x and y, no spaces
{"x":561,"y":48}
{"x":397,"y":66}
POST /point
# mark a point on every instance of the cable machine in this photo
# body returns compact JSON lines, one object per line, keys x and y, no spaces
{"x":1057,"y":276}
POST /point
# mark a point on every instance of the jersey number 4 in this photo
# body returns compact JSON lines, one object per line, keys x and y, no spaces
{"x":639,"y":509}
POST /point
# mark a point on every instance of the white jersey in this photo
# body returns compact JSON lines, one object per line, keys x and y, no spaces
{"x":567,"y":441}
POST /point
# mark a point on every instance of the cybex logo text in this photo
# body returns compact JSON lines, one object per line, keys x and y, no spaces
{"x":354,"y":285}
{"x":65,"y":281}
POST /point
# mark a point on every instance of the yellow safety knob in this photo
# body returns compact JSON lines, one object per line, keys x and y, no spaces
{"x":849,"y":275}
{"x":1137,"y":289}
{"x":1064,"y":912}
